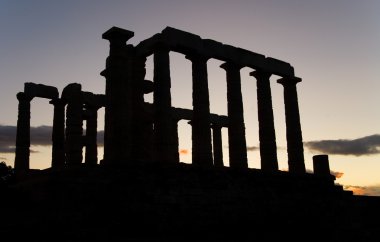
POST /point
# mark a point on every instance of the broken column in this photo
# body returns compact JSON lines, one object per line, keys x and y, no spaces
{"x":293,"y":125}
{"x":164,"y":133}
{"x":117,"y":74}
{"x":236,"y":128}
{"x":321,"y":165}
{"x":23,"y":133}
{"x":217,"y":144}
{"x":58,"y":133}
{"x":201,"y":132}
{"x":267,"y":136}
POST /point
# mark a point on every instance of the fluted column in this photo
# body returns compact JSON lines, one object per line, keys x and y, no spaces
{"x":267,"y":135}
{"x":58,"y":133}
{"x":293,"y":125}
{"x":23,"y":133}
{"x":91,"y":154}
{"x":74,"y":127}
{"x":236,"y":128}
{"x":117,"y":108}
{"x":164,"y":134}
{"x":217,"y":145}
{"x":201,"y":132}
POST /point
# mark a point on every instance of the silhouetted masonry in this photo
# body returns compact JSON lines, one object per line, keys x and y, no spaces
{"x":92,"y":103}
{"x":124,"y":99}
{"x":81,"y":106}
{"x":67,"y":137}
{"x":136,"y":131}
{"x":31,"y":91}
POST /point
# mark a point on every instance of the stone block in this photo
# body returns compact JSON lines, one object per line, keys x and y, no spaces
{"x":249,"y":58}
{"x":40,"y":90}
{"x":116,"y":33}
{"x":214,"y":48}
{"x":71,"y":90}
{"x":279,"y":67}
{"x":146,"y":47}
{"x":94,"y":100}
{"x":182,"y":41}
{"x":230,"y":53}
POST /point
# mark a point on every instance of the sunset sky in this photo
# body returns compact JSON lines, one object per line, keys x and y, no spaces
{"x":333,"y":45}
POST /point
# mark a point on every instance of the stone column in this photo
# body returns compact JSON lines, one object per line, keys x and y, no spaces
{"x":91,"y":154}
{"x":175,"y":143}
{"x":201,"y":132}
{"x":164,"y":140}
{"x":74,"y":126}
{"x":58,"y":133}
{"x":23,"y":133}
{"x":293,"y":126}
{"x":117,"y":107}
{"x":321,"y":165}
{"x":267,"y":136}
{"x":217,"y":144}
{"x":236,"y":129}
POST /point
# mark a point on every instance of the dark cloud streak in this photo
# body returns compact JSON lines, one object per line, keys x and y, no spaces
{"x":39,"y":136}
{"x":7,"y":139}
{"x":252,"y":148}
{"x":369,"y":145}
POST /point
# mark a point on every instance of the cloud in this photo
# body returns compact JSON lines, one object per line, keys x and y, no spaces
{"x":39,"y":136}
{"x":100,"y":138}
{"x":252,"y":148}
{"x":337,"y":174}
{"x":369,"y":145}
{"x":364,"y":190}
{"x":3,"y":158}
{"x":7,"y":139}
{"x":184,"y":151}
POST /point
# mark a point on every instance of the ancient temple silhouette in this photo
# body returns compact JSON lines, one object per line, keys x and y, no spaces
{"x":140,"y":190}
{"x":139,"y":132}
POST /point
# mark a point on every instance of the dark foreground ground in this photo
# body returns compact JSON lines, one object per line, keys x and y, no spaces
{"x":183,"y":203}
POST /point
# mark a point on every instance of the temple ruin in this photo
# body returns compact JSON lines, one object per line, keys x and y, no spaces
{"x":139,"y":189}
{"x":140,"y":132}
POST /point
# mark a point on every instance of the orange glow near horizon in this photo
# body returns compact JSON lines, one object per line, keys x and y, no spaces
{"x":356,"y":190}
{"x":337,"y":174}
{"x":184,"y":151}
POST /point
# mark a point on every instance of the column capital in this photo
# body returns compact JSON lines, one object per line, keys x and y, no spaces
{"x":197,"y":57}
{"x":21,"y":96}
{"x":231,"y":66}
{"x":57,"y":102}
{"x":258,"y":74}
{"x":285,"y":81}
{"x":216,"y":126}
{"x":117,"y":35}
{"x":161,"y":46}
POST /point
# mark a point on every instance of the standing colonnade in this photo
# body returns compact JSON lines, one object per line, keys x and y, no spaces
{"x":199,"y":51}
{"x":136,"y":131}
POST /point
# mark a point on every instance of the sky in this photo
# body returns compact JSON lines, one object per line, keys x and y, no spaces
{"x":333,"y":46}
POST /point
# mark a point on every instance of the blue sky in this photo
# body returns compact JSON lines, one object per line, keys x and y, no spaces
{"x":333,"y":46}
